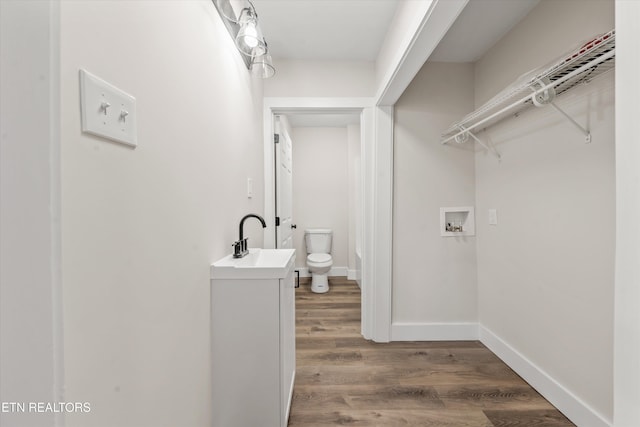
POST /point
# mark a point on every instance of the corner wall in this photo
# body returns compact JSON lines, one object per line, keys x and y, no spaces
{"x":434,"y":278}
{"x":546,"y":270}
{"x":142,"y":226}
{"x":30,"y":306}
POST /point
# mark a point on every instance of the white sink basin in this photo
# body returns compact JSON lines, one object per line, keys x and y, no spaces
{"x":258,"y":264}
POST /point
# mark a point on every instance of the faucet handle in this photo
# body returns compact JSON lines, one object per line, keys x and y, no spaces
{"x":240,"y":248}
{"x":237,"y":249}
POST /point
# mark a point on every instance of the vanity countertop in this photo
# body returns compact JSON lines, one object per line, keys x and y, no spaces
{"x":258,"y":264}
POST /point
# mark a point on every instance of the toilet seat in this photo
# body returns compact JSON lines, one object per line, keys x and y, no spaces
{"x":319,"y":258}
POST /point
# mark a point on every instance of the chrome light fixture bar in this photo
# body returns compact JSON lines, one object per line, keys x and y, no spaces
{"x":241,"y":20}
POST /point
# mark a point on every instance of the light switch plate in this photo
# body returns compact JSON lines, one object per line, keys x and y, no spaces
{"x":107,"y":111}
{"x":493,"y":217}
{"x":249,"y":188}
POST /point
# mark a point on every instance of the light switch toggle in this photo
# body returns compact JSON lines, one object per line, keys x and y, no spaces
{"x":104,"y":106}
{"x":123,"y":115}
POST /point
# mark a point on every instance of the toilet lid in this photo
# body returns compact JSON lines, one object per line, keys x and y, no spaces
{"x":319,"y":257}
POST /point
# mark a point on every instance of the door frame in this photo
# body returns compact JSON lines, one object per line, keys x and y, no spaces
{"x":376,"y":146}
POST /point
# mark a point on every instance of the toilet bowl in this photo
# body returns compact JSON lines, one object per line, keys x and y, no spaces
{"x":319,"y":260}
{"x":319,"y":267}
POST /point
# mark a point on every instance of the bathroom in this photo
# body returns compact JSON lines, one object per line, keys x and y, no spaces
{"x":128,"y":235}
{"x":326,"y":155}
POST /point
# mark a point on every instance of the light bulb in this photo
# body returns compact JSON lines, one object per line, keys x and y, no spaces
{"x":249,"y":39}
{"x":251,"y":35}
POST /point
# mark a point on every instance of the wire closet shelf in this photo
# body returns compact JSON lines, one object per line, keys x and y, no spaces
{"x":539,"y":88}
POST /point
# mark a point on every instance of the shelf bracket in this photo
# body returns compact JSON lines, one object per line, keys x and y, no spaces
{"x":586,"y":133}
{"x":544,"y":94}
{"x":462,"y":137}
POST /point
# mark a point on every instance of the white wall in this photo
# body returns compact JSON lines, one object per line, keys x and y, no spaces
{"x":30,"y":327}
{"x":434,"y":277}
{"x":320,"y":190}
{"x":546,"y":271}
{"x":305,"y":78}
{"x":627,"y":292}
{"x":141,"y":227}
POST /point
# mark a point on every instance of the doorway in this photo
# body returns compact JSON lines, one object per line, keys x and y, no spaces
{"x":376,"y":179}
{"x":324,"y":190}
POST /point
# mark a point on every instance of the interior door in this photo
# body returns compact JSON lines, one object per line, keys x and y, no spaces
{"x":284,"y":186}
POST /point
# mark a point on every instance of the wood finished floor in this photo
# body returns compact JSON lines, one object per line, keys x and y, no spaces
{"x":342,"y":379}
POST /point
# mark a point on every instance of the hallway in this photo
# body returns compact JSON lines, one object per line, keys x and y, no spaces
{"x":342,"y":379}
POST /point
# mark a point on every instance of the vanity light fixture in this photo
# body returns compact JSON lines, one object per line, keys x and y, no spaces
{"x":241,"y":19}
{"x":261,"y":66}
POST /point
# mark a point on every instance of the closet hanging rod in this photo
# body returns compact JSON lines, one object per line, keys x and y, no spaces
{"x":600,"y":59}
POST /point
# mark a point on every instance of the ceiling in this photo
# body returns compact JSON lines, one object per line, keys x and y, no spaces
{"x":355,"y":30}
{"x":325,"y":29}
{"x":481,"y":25}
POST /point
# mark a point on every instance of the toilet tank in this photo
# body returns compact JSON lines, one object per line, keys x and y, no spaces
{"x":318,"y":240}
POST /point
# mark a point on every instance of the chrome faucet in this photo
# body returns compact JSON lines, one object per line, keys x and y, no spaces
{"x":240,"y":248}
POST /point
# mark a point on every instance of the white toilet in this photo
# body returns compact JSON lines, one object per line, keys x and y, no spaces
{"x":319,"y":261}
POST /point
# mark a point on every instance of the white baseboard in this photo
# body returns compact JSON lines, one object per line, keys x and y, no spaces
{"x":571,"y":406}
{"x":335,"y":271}
{"x":352,"y":275}
{"x":304,"y":271}
{"x":434,"y":331}
{"x":338,"y":271}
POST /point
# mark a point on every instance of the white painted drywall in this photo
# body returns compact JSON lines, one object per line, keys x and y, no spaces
{"x":320,"y":188}
{"x":546,"y":270}
{"x":434,"y":277}
{"x":305,"y":78}
{"x":142,"y":226}
{"x":30,"y":341}
{"x":627,"y":291}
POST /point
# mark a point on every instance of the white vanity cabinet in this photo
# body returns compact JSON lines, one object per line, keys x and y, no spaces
{"x":253,"y":338}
